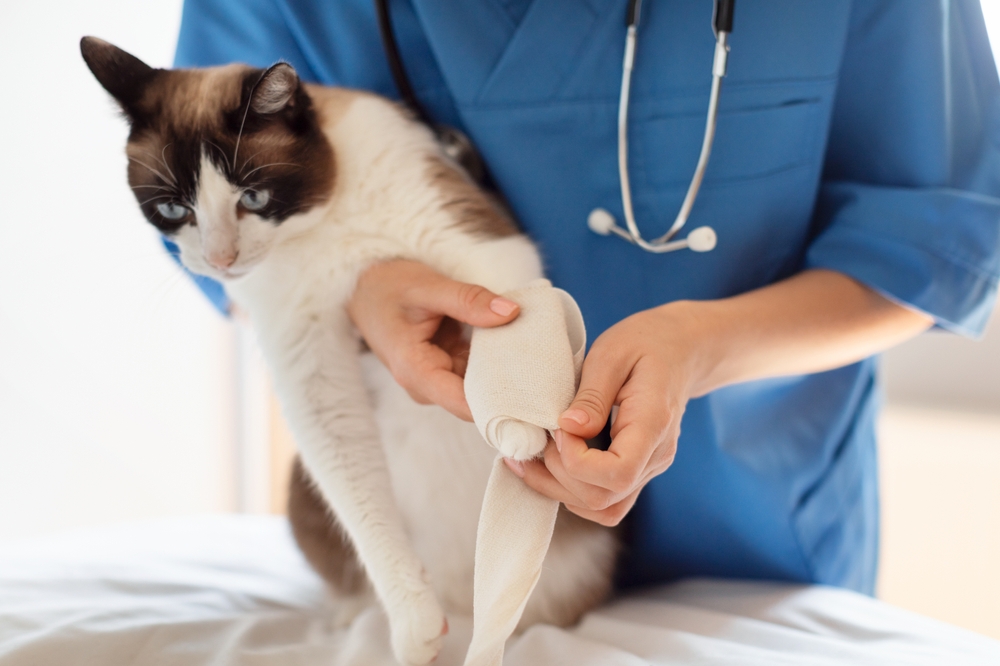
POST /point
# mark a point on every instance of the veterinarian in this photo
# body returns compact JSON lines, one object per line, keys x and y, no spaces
{"x":854,"y":189}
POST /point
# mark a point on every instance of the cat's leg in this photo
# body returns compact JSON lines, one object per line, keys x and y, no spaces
{"x":319,"y":379}
{"x":321,"y":538}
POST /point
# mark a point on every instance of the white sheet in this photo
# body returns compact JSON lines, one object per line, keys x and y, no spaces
{"x":228,"y":590}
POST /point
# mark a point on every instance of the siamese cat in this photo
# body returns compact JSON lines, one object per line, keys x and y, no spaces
{"x":285,"y":192}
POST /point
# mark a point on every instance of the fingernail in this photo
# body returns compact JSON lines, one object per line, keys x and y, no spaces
{"x":557,"y":436}
{"x":577,"y":415}
{"x":515,"y":466}
{"x":502,"y":306}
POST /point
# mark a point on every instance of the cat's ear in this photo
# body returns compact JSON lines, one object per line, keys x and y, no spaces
{"x":122,"y":74}
{"x":275,"y":90}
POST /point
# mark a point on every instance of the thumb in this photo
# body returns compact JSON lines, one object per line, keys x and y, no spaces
{"x":600,"y":382}
{"x":469,"y":303}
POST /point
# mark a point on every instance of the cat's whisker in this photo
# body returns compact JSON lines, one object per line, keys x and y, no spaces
{"x":229,"y":165}
{"x":162,"y":177}
{"x":271,"y":165}
{"x":247,"y":160}
{"x":236,"y":151}
{"x":163,"y":160}
{"x":158,"y":196}
{"x":173,"y":178}
{"x":159,"y":292}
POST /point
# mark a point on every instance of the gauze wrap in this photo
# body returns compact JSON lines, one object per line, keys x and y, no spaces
{"x":519,"y":379}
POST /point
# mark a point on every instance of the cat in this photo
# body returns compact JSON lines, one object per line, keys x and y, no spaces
{"x":285,"y":192}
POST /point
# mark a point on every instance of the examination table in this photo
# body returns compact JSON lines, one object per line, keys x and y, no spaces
{"x":234,"y":590}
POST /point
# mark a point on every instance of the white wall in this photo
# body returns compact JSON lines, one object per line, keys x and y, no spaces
{"x":941,"y":514}
{"x":116,"y":378}
{"x":943,"y":370}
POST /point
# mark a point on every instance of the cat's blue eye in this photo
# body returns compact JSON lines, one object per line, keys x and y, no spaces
{"x":254,"y":199}
{"x":173,"y":211}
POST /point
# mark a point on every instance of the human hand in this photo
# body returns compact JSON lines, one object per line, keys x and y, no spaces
{"x":647,"y":366}
{"x":410,"y":316}
{"x":651,"y":364}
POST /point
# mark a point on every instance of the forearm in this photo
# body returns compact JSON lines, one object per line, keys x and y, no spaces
{"x":653,"y":362}
{"x":814,"y":321}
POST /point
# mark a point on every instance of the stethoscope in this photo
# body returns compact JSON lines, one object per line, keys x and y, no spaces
{"x":458,"y":146}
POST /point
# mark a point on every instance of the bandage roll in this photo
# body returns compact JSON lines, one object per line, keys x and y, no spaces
{"x":521,"y":376}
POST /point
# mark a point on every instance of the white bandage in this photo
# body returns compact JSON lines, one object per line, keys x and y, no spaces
{"x":519,"y":379}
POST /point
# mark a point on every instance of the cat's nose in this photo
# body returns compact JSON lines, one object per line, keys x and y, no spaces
{"x":221,"y":260}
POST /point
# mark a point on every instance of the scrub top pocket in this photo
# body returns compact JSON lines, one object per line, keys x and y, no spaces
{"x":760,"y":184}
{"x":749,"y":143}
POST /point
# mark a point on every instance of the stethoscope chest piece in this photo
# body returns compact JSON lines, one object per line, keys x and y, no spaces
{"x":701,"y":239}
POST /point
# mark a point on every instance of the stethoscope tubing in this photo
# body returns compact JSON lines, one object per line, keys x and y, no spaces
{"x":631,"y":231}
{"x":457,"y":146}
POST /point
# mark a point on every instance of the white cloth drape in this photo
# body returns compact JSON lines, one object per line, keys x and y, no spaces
{"x":236,"y":591}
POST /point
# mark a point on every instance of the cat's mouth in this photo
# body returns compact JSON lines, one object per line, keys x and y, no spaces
{"x":235,"y":273}
{"x":230,"y":273}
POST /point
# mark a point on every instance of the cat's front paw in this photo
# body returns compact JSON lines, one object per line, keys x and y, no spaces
{"x":520,"y":440}
{"x":418,"y":627}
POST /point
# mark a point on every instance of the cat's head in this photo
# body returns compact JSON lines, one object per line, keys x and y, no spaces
{"x":223,"y":161}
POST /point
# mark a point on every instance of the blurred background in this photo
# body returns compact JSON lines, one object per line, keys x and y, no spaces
{"x":124,"y":396}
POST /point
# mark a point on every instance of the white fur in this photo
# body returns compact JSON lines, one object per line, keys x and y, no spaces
{"x":406,"y":481}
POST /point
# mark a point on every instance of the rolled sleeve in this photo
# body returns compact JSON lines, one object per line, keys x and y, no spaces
{"x":910,"y":203}
{"x":934,"y":250}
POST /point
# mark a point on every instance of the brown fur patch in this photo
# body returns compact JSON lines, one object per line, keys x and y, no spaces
{"x":473,"y":208}
{"x":320,"y":538}
{"x":195,"y":98}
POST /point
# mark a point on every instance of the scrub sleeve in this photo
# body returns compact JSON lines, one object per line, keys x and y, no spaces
{"x":910,"y":201}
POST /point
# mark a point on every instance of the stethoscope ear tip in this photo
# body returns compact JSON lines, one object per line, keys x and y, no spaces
{"x":601,"y":221}
{"x":702,"y":239}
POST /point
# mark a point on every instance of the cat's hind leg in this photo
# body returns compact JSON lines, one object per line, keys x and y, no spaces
{"x":576,"y":575}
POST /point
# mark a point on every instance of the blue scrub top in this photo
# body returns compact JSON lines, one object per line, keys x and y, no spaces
{"x":862,"y":137}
